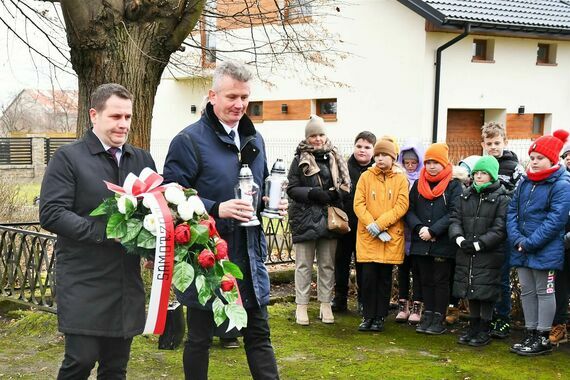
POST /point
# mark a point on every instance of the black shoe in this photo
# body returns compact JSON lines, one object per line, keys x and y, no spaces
{"x":229,"y":342}
{"x":425,"y":322}
{"x":437,"y":327}
{"x":365,"y":324}
{"x":528,"y":338}
{"x":483,"y":337}
{"x":339,"y":304}
{"x":501,"y":328}
{"x":377,"y":325}
{"x":540,"y":345}
{"x":471,"y":332}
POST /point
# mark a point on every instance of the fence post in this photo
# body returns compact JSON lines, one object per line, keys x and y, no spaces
{"x":38,"y":156}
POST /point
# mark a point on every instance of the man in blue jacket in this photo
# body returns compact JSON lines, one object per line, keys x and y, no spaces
{"x":207,"y":156}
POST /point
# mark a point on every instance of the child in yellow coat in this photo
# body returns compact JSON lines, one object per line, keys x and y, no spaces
{"x":380,"y":202}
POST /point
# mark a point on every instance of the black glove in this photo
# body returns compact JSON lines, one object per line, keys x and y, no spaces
{"x":333,"y":195}
{"x":467,"y":246}
{"x":319,"y":195}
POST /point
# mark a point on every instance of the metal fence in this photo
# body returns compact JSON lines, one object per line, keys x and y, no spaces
{"x":16,"y":151}
{"x":52,"y":144}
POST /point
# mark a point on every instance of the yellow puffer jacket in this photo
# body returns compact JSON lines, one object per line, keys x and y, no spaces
{"x":381,"y":197}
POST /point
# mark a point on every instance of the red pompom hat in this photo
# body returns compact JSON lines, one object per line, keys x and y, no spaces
{"x":550,"y":146}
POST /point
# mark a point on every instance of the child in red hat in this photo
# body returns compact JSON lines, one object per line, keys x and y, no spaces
{"x":536,"y":221}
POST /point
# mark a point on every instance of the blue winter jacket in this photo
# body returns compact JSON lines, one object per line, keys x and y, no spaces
{"x":204,"y":157}
{"x":536,"y":218}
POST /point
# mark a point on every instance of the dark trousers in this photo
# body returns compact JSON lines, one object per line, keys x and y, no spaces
{"x":481,"y":309}
{"x":562,"y":286}
{"x":376,"y":289}
{"x":452,"y":300}
{"x":83,"y":351}
{"x":404,"y":271}
{"x":434,"y":279}
{"x":256,"y":341}
{"x":345,"y":250}
{"x":503,"y":305}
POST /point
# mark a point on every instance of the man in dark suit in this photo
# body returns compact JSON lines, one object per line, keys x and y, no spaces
{"x":100,"y":295}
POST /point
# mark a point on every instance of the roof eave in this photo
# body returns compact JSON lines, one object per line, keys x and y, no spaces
{"x":425,"y":10}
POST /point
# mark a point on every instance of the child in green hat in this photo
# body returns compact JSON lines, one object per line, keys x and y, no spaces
{"x":478,"y":228}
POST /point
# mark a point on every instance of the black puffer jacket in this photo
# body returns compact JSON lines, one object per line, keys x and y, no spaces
{"x":435,"y":215}
{"x":355,"y":170}
{"x":307,"y":219}
{"x":481,"y":218}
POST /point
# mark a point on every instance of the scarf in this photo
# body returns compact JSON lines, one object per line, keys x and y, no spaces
{"x":337,"y":164}
{"x":442,"y":179}
{"x":481,"y":187}
{"x":541,"y":175}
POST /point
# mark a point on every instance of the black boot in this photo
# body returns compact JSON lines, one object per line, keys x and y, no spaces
{"x":483,"y":337}
{"x":365,"y":324}
{"x":338,"y":304}
{"x":540,"y":345}
{"x":425,"y":322}
{"x":377,"y":325}
{"x":437,"y":326}
{"x":528,"y":338}
{"x":471,"y":332}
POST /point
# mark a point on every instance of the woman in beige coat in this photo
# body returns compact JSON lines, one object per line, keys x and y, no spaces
{"x":380,"y":202}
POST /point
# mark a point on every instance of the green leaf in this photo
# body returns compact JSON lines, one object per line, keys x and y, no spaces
{"x":232,"y":269}
{"x":134,"y":226}
{"x":146,"y":239}
{"x":107,"y":207}
{"x":116,"y":226}
{"x":130,"y":209}
{"x":219,"y":270}
{"x":189,"y":192}
{"x":237,"y":314}
{"x":204,"y":291}
{"x":231,"y":296}
{"x":200,"y":234}
{"x":219,"y":311}
{"x":183,"y":276}
{"x":100,"y":210}
{"x":180,"y":252}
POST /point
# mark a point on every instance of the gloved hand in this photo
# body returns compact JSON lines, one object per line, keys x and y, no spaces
{"x":467,"y":246}
{"x":384,"y":236}
{"x":333,"y":195}
{"x":373,"y":229}
{"x":319,"y":195}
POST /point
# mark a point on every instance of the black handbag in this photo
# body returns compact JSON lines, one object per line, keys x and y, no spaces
{"x":174,"y":328}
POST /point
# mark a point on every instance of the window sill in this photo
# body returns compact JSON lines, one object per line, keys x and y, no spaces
{"x":328,"y":117}
{"x":256,"y":119}
{"x":475,"y":60}
{"x":546,"y":64}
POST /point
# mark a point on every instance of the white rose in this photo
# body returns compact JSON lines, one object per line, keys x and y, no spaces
{"x":196,"y":202}
{"x":146,"y":200}
{"x":149,"y":223}
{"x":174,"y":195}
{"x":122,"y":202}
{"x":185,"y":210}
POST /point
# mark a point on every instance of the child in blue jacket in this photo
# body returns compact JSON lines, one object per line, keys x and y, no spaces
{"x":536,"y":221}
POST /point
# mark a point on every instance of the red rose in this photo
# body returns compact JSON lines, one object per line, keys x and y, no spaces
{"x":182,"y":234}
{"x":227,"y":285}
{"x":206,"y":259}
{"x":221,"y":249}
{"x":211,"y":224}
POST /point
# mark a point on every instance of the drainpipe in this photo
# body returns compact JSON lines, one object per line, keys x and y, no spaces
{"x":438,"y":77}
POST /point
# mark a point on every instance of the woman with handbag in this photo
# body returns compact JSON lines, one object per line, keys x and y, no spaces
{"x":380,"y":203}
{"x":318,"y":179}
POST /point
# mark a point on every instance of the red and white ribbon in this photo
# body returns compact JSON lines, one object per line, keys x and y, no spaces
{"x":147,"y":184}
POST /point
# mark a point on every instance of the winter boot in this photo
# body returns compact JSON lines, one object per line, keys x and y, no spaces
{"x":558,"y":334}
{"x":540,"y":345}
{"x":482,"y":337}
{"x":403,"y":311}
{"x":452,"y":315}
{"x":501,"y":328}
{"x":528,"y":338}
{"x":301,"y":316}
{"x":377,"y":325}
{"x":471,"y":332}
{"x":365,"y":324}
{"x":326,"y":313}
{"x":427,"y":318}
{"x":416,"y":314}
{"x":437,"y":326}
{"x":339,"y":304}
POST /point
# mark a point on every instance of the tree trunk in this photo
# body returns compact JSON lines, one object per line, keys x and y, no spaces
{"x":126,"y":42}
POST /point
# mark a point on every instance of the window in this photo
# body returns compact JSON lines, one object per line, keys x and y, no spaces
{"x":538,"y":124}
{"x":298,"y":9}
{"x":326,"y":108}
{"x":483,"y":50}
{"x":546,"y":54}
{"x":255,"y":110}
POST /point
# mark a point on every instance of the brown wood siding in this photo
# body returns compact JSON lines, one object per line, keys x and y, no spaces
{"x":464,"y":133}
{"x":238,"y":14}
{"x":520,"y":126}
{"x":299,"y":109}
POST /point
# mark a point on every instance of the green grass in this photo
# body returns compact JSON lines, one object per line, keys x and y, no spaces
{"x":31,"y":349}
{"x":27,"y":192}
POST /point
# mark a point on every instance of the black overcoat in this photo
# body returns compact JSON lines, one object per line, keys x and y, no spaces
{"x":99,"y":290}
{"x":480,"y":217}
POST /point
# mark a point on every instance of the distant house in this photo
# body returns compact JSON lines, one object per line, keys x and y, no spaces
{"x":497,"y":60}
{"x":40,"y":112}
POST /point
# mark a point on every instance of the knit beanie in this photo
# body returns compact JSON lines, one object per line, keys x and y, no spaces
{"x":565,"y":150}
{"x":386,"y":147}
{"x":437,"y":152}
{"x":550,"y":146}
{"x":393,"y":140}
{"x":315,"y":126}
{"x":409,"y":155}
{"x":489,"y":165}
